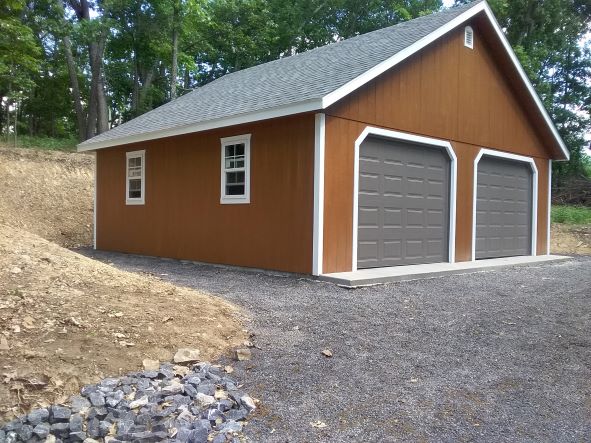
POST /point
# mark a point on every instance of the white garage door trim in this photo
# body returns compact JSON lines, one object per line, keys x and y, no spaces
{"x":534,"y":205}
{"x":395,"y":135}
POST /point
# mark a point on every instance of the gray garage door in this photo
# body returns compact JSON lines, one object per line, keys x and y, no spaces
{"x":503,"y":208}
{"x":403,"y":211}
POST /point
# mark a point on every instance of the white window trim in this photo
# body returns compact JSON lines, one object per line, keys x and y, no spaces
{"x":395,"y":135}
{"x":235,"y":199}
{"x":534,"y":205}
{"x":142,"y":199}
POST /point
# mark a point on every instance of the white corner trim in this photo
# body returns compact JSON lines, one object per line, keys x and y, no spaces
{"x":318,"y":234}
{"x":280,"y":111}
{"x":95,"y":193}
{"x":235,"y":199}
{"x":549,"y":206}
{"x":142,"y":199}
{"x":534,"y":218}
{"x":395,"y":135}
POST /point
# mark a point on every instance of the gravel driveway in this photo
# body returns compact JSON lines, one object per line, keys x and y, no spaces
{"x":494,"y":356}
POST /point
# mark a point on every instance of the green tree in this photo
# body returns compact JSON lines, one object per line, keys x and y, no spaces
{"x":19,"y":58}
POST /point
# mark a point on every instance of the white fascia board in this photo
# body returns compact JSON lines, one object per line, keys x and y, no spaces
{"x":382,"y":67}
{"x":282,"y":111}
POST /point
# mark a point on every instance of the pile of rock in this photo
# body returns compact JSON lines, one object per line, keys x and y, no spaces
{"x":169,"y":403}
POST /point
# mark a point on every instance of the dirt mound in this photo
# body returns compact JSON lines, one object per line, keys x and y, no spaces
{"x":48,"y":193}
{"x":571,"y":239}
{"x":67,"y":320}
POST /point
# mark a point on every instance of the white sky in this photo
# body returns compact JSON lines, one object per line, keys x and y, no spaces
{"x":448,"y":2}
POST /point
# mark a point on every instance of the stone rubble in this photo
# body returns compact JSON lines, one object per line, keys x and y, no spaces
{"x":150,"y":406}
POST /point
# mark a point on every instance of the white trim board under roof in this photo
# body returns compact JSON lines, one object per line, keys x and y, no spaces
{"x":300,"y":83}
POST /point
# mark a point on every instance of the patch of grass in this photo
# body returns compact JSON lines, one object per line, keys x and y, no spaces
{"x":45,"y":143}
{"x":571,"y":215}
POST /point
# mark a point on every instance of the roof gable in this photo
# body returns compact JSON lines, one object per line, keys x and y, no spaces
{"x":450,"y":92}
{"x":310,"y":81}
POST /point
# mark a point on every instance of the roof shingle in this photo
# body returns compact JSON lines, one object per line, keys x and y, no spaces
{"x":291,"y":80}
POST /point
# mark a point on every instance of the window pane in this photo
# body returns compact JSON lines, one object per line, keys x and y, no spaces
{"x":235,"y":189}
{"x":135,"y":172}
{"x":135,"y":188}
{"x":234,"y":163}
{"x":235,"y":178}
{"x":239,"y":149}
{"x":229,"y":150}
{"x":135,"y":162}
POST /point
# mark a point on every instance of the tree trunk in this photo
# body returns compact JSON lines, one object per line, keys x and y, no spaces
{"x":135,"y":94}
{"x":73,"y":73}
{"x":102,"y":111}
{"x":97,"y":120}
{"x":91,"y":122}
{"x":529,"y":22}
{"x":175,"y":49}
{"x":187,"y":83}
{"x":148,"y":77}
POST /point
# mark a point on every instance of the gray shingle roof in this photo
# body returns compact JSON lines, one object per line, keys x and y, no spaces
{"x":291,"y":80}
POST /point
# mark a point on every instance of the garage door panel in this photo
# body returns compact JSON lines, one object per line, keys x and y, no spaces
{"x":392,"y":218}
{"x":392,"y":250}
{"x":409,"y":189}
{"x":368,"y":217}
{"x":503,"y":208}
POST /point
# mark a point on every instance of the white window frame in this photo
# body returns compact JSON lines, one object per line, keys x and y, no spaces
{"x":235,"y":199}
{"x":129,"y":155}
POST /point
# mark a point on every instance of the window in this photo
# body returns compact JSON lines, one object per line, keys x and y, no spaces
{"x":469,"y":37}
{"x":135,"y":188}
{"x":235,"y":169}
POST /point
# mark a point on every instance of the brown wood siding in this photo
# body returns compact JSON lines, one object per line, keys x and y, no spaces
{"x":182,"y":216}
{"x":451,"y":92}
{"x":446,"y":91}
{"x":466,"y":154}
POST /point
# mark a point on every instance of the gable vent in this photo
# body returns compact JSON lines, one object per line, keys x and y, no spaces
{"x":469,"y":37}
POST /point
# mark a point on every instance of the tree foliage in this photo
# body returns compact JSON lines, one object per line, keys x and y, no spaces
{"x":83,"y":66}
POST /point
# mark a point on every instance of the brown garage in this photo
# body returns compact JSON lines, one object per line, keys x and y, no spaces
{"x":419,"y":143}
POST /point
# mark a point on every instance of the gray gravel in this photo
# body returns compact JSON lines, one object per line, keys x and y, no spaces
{"x":495,"y":356}
{"x":172,"y":404}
